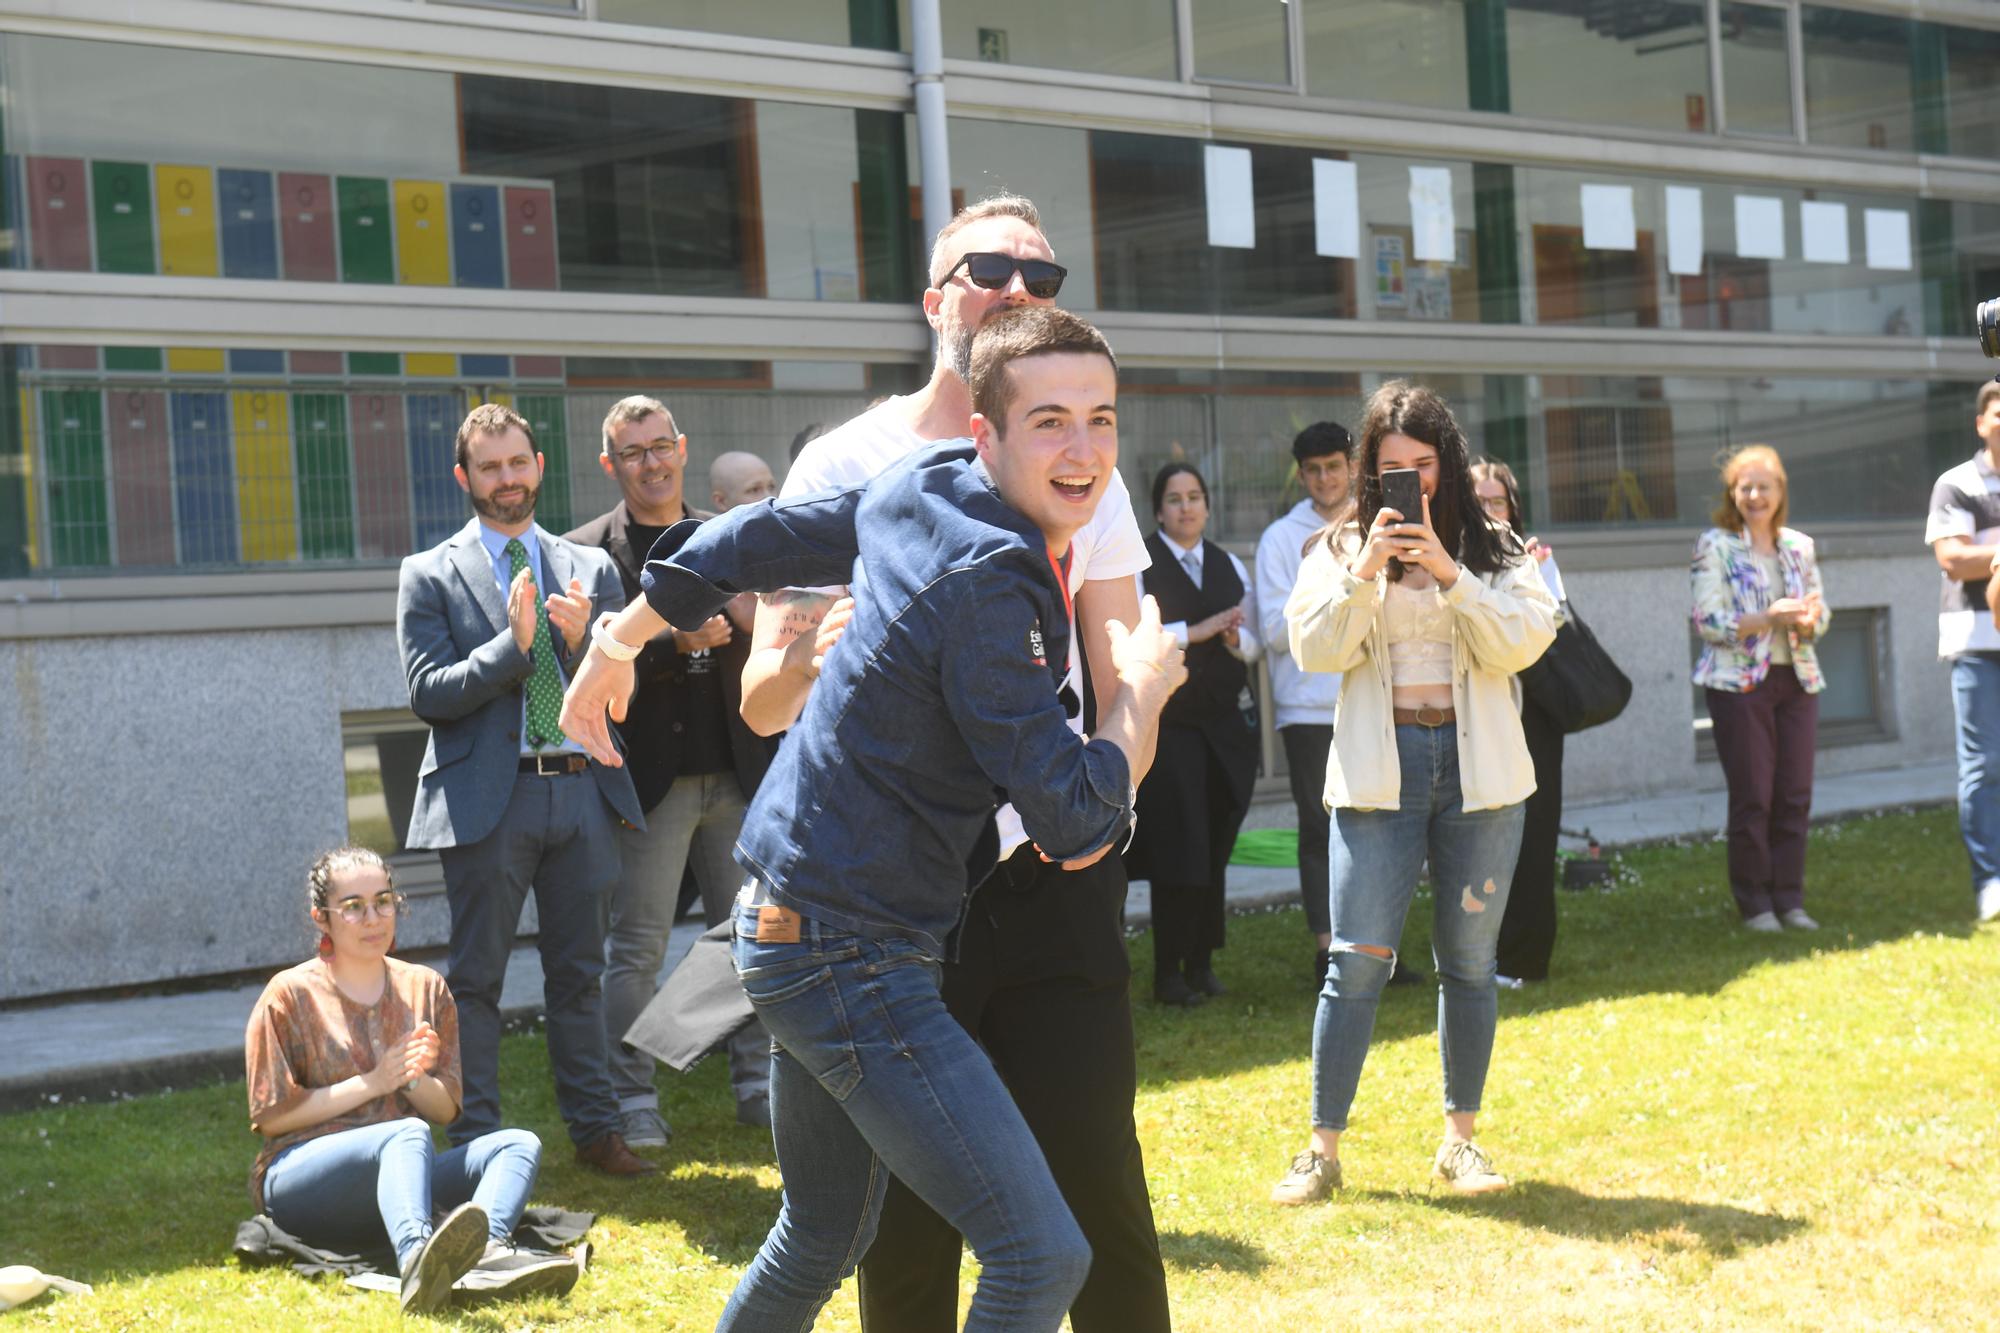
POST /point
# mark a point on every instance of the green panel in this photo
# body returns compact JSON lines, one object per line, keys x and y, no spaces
{"x":871,"y":24}
{"x":137,"y":360}
{"x":73,"y":447}
{"x":325,"y":472}
{"x":367,"y":250}
{"x":1497,"y":243}
{"x":1486,"y":56}
{"x":887,"y":236}
{"x":374,"y":363}
{"x":1928,"y":92}
{"x":544,"y":412}
{"x":121,"y":200}
{"x":1505,"y":435}
{"x":1945,"y":315}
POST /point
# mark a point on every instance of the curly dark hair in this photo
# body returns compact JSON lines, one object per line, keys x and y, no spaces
{"x":319,"y":879}
{"x":1402,"y":408}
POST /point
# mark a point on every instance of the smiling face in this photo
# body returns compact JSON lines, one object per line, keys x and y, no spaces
{"x":1054,"y":454}
{"x":1183,"y":511}
{"x":1400,"y":451}
{"x":358,"y":888}
{"x":503,"y":475}
{"x":1328,"y":481}
{"x":957,"y":309}
{"x":646,"y":457}
{"x":1492,"y":493}
{"x":1757,"y":492}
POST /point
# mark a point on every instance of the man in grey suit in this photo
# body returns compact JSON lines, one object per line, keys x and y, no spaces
{"x":509,"y":802}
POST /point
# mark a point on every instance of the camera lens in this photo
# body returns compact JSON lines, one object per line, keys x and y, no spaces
{"x":1988,"y":317}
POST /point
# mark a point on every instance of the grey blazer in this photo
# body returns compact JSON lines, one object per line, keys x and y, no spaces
{"x":467,"y":677}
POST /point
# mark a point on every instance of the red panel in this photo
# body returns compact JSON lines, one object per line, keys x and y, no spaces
{"x":531,"y":237}
{"x":381,"y":474}
{"x":58,"y":213}
{"x":318,"y":363}
{"x":142,"y":486}
{"x":538,"y":367}
{"x":66,"y":358}
{"x":306,"y":226}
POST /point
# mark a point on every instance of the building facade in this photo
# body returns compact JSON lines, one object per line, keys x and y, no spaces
{"x":257,"y":257}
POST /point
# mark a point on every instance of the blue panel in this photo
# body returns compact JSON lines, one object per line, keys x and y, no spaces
{"x":439,"y":506}
{"x":475,"y":236}
{"x":256,"y":362}
{"x":482,"y":367}
{"x":204,"y":487}
{"x":248,"y":216}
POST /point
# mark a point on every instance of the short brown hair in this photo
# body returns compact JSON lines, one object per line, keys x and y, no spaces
{"x":1726,"y":513}
{"x":488,"y":419}
{"x":1987,"y":393}
{"x":1012,"y":335}
{"x":635,"y":408}
{"x":998,"y":206}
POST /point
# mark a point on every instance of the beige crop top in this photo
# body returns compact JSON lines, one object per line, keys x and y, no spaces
{"x":1419,"y":630}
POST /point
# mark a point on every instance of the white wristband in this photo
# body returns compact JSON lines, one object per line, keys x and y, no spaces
{"x":610,"y":647}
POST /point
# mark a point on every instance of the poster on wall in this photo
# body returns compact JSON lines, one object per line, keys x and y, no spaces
{"x":1429,"y":287}
{"x":1389,"y":273}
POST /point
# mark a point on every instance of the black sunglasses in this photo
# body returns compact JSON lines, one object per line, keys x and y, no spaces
{"x":1041,"y":278}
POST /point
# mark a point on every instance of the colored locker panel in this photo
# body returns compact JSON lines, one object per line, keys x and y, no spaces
{"x":441,"y":365}
{"x":531,"y":236}
{"x":423,"y":234}
{"x":58,"y":214}
{"x":266,"y":489}
{"x":475,"y":236}
{"x":134,"y":360}
{"x":306,"y":221}
{"x":381,"y":475}
{"x":79,"y":514}
{"x":538,"y":367}
{"x":121,"y":204}
{"x":249,"y":220}
{"x":188,"y":244}
{"x":474,"y":366}
{"x":256,"y":361}
{"x":326,"y":476}
{"x":367,"y":250}
{"x":66,"y":357}
{"x":196,"y":361}
{"x":374,"y":363}
{"x":437,"y":503}
{"x":317,"y":363}
{"x":28,"y":478}
{"x":545,"y":416}
{"x":204,"y":477}
{"x":13,"y":204}
{"x":142,"y":477}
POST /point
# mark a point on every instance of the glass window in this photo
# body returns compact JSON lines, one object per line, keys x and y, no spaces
{"x":1643,"y":65}
{"x":1972,"y":83}
{"x":1756,"y":70}
{"x":1854,"y":657}
{"x":1245,"y":40}
{"x":1128,"y":37}
{"x":1409,"y":51}
{"x":1858,"y":79}
{"x":862,"y":23}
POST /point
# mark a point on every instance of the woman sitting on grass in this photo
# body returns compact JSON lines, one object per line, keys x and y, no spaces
{"x":350,"y":1058}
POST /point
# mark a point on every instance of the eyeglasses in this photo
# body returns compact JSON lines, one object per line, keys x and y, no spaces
{"x":1041,"y":278}
{"x":658,"y":453}
{"x":1496,"y":505}
{"x":385,"y":904}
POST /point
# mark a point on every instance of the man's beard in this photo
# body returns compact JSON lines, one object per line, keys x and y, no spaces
{"x":957,"y":347}
{"x":509,"y":512}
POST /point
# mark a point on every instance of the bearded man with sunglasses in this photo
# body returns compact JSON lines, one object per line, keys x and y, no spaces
{"x":1039,"y":974}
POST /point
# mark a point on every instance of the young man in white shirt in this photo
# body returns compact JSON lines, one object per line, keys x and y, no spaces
{"x":1041,"y":976}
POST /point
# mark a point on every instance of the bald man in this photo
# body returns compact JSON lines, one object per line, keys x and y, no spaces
{"x":737,"y":478}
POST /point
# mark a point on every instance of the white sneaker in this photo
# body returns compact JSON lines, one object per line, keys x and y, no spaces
{"x":1764,"y":923}
{"x":1989,"y":903}
{"x":1508,"y":983}
{"x":1797,"y":919}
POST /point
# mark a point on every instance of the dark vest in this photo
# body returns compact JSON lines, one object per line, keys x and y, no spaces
{"x":1216,"y":679}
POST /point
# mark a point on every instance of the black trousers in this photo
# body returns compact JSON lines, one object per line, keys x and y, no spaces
{"x":1528,"y":930}
{"x":1042,"y":982}
{"x":1190,"y":809}
{"x":1306,"y":748}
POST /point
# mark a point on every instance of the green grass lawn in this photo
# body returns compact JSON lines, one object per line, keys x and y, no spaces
{"x":1708,"y":1129}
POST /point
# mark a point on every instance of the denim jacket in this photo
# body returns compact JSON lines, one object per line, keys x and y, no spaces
{"x":1729,"y":583}
{"x":939,"y":703}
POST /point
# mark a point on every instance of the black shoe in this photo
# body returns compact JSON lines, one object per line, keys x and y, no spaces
{"x":1322,"y":960}
{"x":1206,"y":982}
{"x":447,"y":1255}
{"x":1407,"y":976}
{"x":504,"y":1271}
{"x":1172,"y":990}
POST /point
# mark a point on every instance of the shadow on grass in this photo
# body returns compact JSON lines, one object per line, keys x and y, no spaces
{"x":1718,"y":1230}
{"x":1198,"y":1251}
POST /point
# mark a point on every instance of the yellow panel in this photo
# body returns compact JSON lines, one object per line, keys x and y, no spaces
{"x":423,"y":234}
{"x":196,"y":360}
{"x":186,"y":198}
{"x":266,"y":506}
{"x":430,"y":363}
{"x":28,"y":475}
{"x":501,"y":399}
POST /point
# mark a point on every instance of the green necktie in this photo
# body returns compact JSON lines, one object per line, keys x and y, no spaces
{"x":545,"y":688}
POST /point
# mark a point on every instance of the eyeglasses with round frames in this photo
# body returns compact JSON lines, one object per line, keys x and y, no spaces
{"x":385,"y":904}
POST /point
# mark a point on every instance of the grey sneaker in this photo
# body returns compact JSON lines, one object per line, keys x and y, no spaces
{"x":644,"y":1127}
{"x":1461,"y":1165}
{"x":505,"y":1271}
{"x":1796,"y":919}
{"x":1308,"y":1179}
{"x":452,"y":1249}
{"x":1764,"y":923}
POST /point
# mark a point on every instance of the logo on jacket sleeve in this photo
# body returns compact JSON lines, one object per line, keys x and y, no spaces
{"x":1036,"y":648}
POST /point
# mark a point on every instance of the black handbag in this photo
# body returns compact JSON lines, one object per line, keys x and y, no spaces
{"x":1575,"y":682}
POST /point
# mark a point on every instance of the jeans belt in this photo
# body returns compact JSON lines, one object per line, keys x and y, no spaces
{"x":557,"y":765}
{"x":1424,"y":717}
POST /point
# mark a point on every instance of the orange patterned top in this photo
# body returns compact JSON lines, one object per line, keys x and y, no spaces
{"x":306,"y":1033}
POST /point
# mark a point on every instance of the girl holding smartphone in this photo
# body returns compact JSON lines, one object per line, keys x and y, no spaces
{"x":1428,"y":610}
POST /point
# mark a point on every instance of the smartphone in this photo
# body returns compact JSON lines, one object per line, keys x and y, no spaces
{"x":1402,"y":492}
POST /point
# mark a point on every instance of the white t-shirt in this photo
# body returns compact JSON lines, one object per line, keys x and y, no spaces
{"x":1108,"y":547}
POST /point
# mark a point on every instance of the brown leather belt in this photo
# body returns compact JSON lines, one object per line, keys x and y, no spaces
{"x":555,"y":765}
{"x":1424,"y":717}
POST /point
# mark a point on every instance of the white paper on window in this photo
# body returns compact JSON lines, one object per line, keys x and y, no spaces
{"x":1434,"y":229}
{"x":1760,"y":226}
{"x":1336,"y":210}
{"x":1823,"y":232}
{"x":1608,"y":223}
{"x":1887,"y":233}
{"x":1232,"y":218}
{"x":1685,"y":242}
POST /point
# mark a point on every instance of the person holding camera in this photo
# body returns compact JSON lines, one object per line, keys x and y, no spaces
{"x":1759,"y":607}
{"x":1429,"y":610}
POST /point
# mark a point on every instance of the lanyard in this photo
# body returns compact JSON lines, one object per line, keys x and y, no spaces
{"x":1061,"y":571}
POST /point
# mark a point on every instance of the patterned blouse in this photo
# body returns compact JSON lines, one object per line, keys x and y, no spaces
{"x":1730,"y":582}
{"x":306,"y":1033}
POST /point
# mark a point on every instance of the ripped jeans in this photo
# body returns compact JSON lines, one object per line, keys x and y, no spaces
{"x":1375,"y":858}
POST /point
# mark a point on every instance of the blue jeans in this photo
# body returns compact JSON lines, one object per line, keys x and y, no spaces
{"x":1375,"y":858}
{"x":346,"y":1191}
{"x":873,"y":1075}
{"x":1975,"y":697}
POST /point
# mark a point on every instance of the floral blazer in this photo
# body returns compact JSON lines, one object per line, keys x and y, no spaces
{"x":1730,"y":583}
